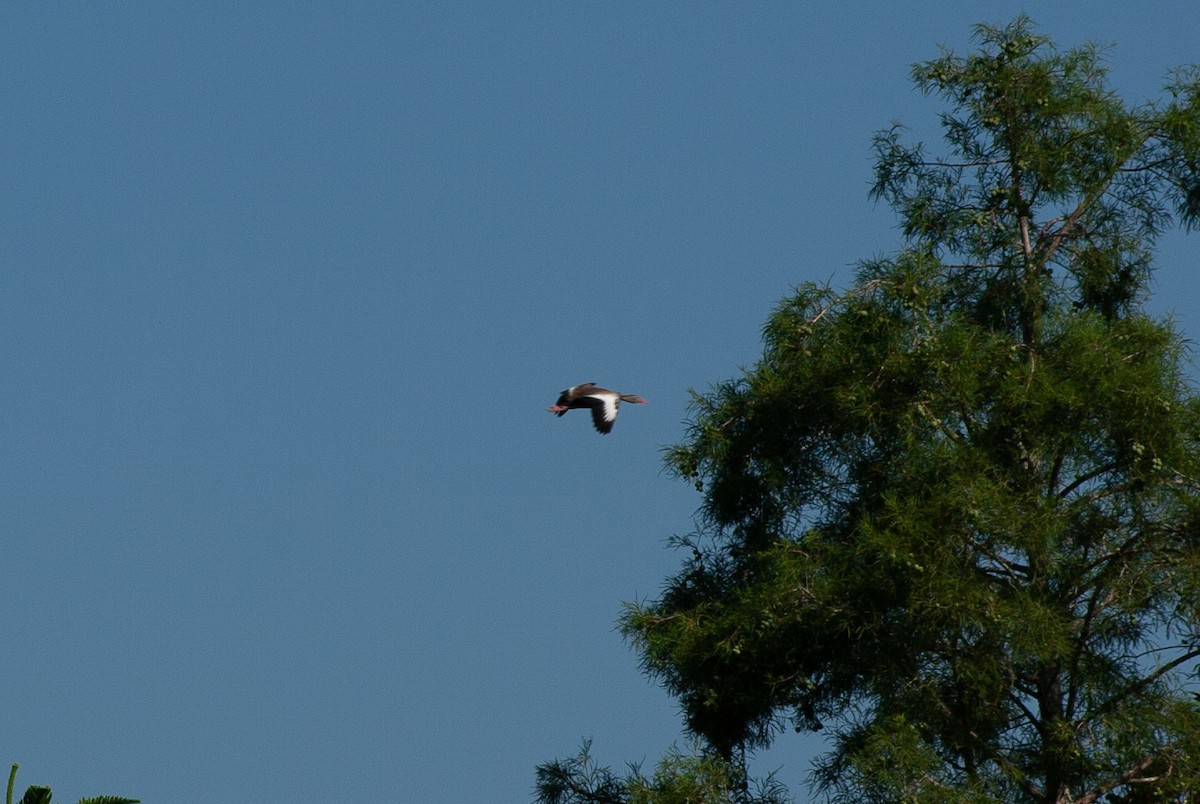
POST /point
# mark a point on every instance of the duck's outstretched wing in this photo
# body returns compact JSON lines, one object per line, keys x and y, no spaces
{"x":604,"y":410}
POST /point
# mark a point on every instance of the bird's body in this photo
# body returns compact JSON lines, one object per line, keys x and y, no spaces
{"x":602,"y":402}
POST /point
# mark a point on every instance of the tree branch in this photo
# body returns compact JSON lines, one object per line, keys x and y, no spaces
{"x":1138,"y":686}
{"x":1090,"y":198}
{"x":1084,"y":478}
{"x":1125,"y":778}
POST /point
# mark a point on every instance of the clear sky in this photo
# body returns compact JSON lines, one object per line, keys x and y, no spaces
{"x":285,"y":291}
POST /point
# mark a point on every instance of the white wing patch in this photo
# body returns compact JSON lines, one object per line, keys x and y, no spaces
{"x":609,"y":410}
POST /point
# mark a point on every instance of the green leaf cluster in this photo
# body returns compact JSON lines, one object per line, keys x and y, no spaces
{"x":39,"y":794}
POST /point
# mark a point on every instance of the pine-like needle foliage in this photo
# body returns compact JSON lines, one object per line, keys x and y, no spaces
{"x":680,"y":778}
{"x":954,"y":512}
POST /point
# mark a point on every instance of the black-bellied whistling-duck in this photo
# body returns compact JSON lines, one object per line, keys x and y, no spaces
{"x":602,"y":402}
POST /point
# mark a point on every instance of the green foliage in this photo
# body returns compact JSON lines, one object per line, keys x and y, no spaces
{"x":38,"y":794}
{"x":954,"y":511}
{"x":578,"y":781}
{"x":679,"y":778}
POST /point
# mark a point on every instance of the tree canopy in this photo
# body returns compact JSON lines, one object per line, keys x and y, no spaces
{"x":952,"y":515}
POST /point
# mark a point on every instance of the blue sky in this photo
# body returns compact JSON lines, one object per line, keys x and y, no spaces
{"x":285,"y":290}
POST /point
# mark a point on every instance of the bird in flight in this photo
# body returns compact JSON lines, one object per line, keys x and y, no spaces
{"x":602,"y":402}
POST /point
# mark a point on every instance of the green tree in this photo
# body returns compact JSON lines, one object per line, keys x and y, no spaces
{"x":954,"y":511}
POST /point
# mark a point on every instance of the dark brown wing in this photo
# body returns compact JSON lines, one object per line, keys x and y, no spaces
{"x":573,"y":397}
